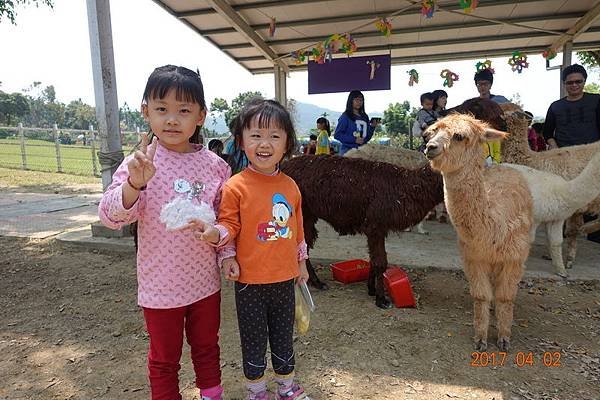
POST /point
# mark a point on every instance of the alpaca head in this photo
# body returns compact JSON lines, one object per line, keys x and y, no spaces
{"x":484,"y":110}
{"x":455,"y":142}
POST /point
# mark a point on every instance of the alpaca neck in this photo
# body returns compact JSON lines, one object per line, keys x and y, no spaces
{"x":515,"y":148}
{"x":584,"y":188}
{"x":466,"y":199}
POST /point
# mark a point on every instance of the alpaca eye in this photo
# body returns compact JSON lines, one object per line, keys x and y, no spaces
{"x":458,"y":137}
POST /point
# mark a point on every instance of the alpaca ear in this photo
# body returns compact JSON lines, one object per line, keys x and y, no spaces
{"x":493,"y":134}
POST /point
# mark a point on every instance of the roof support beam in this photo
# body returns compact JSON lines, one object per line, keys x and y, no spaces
{"x":346,"y":18}
{"x":233,"y":18}
{"x":248,"y":6}
{"x":428,"y":28}
{"x":454,"y":56}
{"x":580,"y":27}
{"x":412,"y":45}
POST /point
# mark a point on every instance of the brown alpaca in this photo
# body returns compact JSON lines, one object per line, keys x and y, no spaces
{"x":492,"y":211}
{"x":567,"y":162}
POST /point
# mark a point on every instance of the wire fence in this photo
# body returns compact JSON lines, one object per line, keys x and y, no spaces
{"x":70,"y":151}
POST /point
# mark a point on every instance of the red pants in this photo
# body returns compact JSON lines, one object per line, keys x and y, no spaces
{"x":165,"y":327}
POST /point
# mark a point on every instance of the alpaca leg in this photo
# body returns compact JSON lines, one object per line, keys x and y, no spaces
{"x":554,"y":231}
{"x":482,"y":293}
{"x":379,"y":264}
{"x":421,"y":229}
{"x":310,"y":236}
{"x":573,"y":228}
{"x":506,"y":282}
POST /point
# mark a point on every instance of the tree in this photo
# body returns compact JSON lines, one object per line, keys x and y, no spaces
{"x":589,"y":59}
{"x":7,"y":7}
{"x":79,"y":115}
{"x":219,"y":106}
{"x":396,"y":118}
{"x":131,"y":119}
{"x":592,"y":88}
{"x":516,"y":99}
{"x":13,"y":107}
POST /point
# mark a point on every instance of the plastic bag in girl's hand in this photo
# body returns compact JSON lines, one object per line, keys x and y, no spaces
{"x":302,"y":312}
{"x":180,"y":211}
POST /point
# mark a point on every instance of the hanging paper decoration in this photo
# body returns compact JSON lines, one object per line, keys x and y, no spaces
{"x":413,"y":77}
{"x":318,"y":54}
{"x":348,"y":45}
{"x":374,"y":67}
{"x":518,"y":61}
{"x":487,"y":64}
{"x":449,"y":77}
{"x":549,"y":53}
{"x":272,"y":27}
{"x":468,"y":5}
{"x":384,"y":26}
{"x":428,"y":8}
{"x":299,"y":56}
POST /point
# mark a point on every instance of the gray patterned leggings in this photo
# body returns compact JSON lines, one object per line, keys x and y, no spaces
{"x":266,"y":311}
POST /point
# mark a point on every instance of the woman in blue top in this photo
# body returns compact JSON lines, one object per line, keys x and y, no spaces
{"x":353,"y":128}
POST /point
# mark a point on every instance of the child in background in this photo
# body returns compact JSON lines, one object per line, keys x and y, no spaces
{"x":179,"y":280}
{"x":540,"y":142}
{"x":261,"y":212}
{"x":311,"y":146}
{"x":425,"y":117}
{"x":323,"y":144}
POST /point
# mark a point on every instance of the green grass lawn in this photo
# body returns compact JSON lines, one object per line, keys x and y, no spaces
{"x":47,"y":182}
{"x":41,"y":156}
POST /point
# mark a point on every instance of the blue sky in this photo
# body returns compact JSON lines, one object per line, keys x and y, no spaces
{"x":52,"y":46}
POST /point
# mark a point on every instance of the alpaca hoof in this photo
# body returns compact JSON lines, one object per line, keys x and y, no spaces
{"x":562,"y":273}
{"x":503,"y":344}
{"x":423,"y":232}
{"x":318,"y":285}
{"x":480,"y":345}
{"x":546,"y":257}
{"x":383,"y":303}
{"x":569,"y":264}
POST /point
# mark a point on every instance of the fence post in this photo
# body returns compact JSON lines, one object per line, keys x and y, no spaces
{"x":93,"y":144}
{"x":23,"y":153}
{"x":57,"y":146}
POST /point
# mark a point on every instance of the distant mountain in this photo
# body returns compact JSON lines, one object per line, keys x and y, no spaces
{"x":306,"y":119}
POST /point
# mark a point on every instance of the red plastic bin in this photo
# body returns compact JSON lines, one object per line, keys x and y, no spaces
{"x":351,"y":271}
{"x":398,"y":286}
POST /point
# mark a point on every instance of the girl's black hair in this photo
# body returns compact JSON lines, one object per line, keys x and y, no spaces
{"x":350,"y":110}
{"x":269,"y":113}
{"x":188,"y":87}
{"x":436,"y":96}
{"x":323,"y":120}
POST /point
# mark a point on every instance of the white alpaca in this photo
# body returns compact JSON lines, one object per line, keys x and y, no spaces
{"x":556,"y":199}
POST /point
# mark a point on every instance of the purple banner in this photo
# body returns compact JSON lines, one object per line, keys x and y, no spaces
{"x":346,"y":74}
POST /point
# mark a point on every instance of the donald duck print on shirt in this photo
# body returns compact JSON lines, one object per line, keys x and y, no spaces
{"x":277,"y":227}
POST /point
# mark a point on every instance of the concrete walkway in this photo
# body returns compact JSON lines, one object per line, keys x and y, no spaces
{"x":68,"y":217}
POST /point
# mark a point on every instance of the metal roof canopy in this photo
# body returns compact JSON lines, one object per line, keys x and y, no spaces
{"x":240,"y":28}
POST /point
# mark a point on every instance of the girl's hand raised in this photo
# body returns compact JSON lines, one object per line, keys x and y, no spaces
{"x":141,"y":166}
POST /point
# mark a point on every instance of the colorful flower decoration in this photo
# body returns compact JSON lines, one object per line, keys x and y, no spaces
{"x":549,"y":53}
{"x":449,"y":77}
{"x":298,"y":56}
{"x":324,"y":51}
{"x":384,"y":26}
{"x":318,"y":54}
{"x":487,"y":64}
{"x":518,"y":61}
{"x":348,"y":45}
{"x":413,"y":77}
{"x":428,"y":8}
{"x":468,"y":5}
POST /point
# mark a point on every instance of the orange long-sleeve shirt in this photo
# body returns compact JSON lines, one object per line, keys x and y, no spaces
{"x":263,"y":214}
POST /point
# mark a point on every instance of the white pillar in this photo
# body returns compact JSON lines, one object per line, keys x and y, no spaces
{"x":567,"y":60}
{"x":105,"y":84}
{"x":280,"y":85}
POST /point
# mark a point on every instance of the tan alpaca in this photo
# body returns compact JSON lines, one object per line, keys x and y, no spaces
{"x":567,"y":162}
{"x":492,"y":211}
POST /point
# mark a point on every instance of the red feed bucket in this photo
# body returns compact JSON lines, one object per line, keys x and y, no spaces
{"x":351,"y":271}
{"x":398,"y":286}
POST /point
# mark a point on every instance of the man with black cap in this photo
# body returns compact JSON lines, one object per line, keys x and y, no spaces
{"x":483,"y":81}
{"x":574,"y":119}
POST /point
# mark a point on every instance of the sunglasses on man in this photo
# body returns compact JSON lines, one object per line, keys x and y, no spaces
{"x":575,"y":82}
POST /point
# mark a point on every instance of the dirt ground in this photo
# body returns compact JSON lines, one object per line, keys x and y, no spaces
{"x":71,"y":330}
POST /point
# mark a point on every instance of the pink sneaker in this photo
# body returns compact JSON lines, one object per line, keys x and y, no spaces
{"x":294,"y":393}
{"x":258,"y":396}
